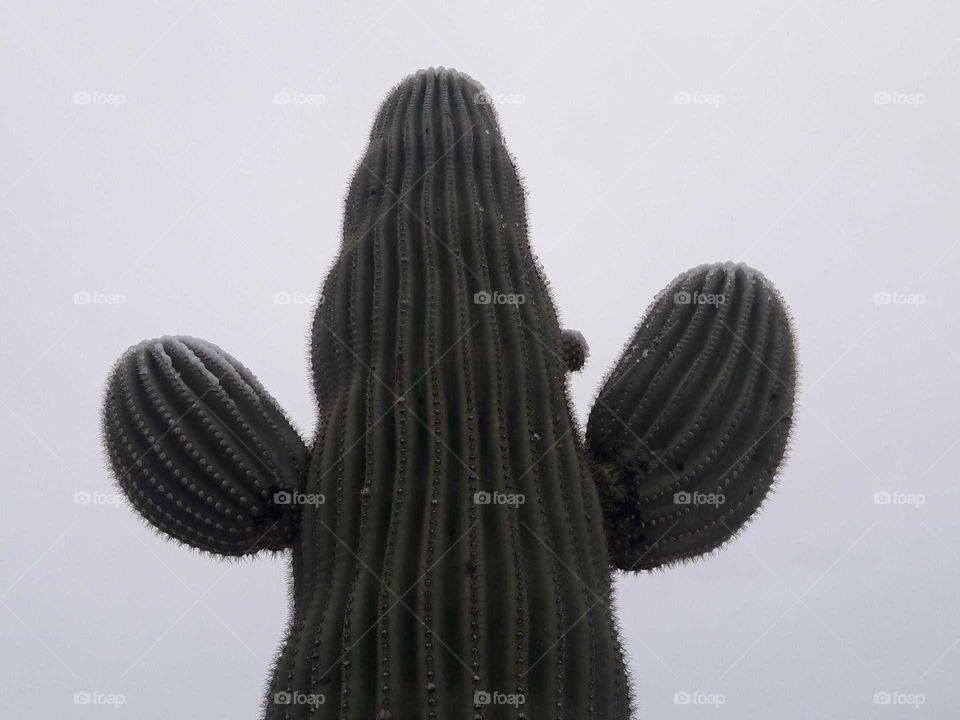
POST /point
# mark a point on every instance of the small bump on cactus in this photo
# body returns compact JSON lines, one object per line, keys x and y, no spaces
{"x":200,"y":449}
{"x":690,"y":427}
{"x":574,"y":349}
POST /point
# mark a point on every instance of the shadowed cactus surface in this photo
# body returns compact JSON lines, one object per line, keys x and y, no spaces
{"x":451,"y":535}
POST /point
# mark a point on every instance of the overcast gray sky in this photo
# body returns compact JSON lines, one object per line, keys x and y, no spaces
{"x":169,"y":167}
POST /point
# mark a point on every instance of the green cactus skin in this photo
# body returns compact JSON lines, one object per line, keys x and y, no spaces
{"x":200,"y":448}
{"x":690,"y":427}
{"x":455,"y":548}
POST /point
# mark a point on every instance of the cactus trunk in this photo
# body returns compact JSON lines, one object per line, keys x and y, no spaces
{"x":461,"y":555}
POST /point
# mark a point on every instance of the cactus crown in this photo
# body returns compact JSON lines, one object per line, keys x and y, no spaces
{"x":434,"y":223}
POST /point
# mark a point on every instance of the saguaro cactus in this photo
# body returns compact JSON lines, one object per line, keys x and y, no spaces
{"x":451,"y":535}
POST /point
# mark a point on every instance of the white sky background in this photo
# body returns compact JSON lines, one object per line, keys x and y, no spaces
{"x":198,"y":198}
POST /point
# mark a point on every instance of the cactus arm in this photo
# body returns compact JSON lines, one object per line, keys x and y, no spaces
{"x":200,"y":449}
{"x":688,"y":431}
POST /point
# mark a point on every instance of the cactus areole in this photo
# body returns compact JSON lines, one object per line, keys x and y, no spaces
{"x":451,"y":531}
